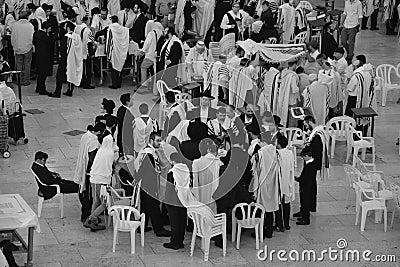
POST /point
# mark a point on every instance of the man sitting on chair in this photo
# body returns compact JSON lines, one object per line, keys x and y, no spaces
{"x":47,"y":177}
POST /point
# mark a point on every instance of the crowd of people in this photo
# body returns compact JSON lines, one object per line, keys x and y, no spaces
{"x":231,"y":148}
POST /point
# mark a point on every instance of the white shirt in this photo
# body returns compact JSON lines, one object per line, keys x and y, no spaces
{"x":204,"y":114}
{"x":353,"y":12}
{"x":149,"y":46}
{"x":98,"y":23}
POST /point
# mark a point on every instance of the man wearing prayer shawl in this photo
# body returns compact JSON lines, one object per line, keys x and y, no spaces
{"x":148,"y":169}
{"x":175,"y":113}
{"x":216,"y":77}
{"x":270,"y":84}
{"x":206,"y":173}
{"x":176,"y":210}
{"x":142,"y":127}
{"x":265,"y":183}
{"x":360,"y":89}
{"x":308,"y":187}
{"x":317,"y":96}
{"x":241,"y":81}
{"x":286,"y":183}
{"x":74,"y":61}
{"x":218,"y":126}
{"x":301,"y":19}
{"x":197,"y":59}
{"x":287,"y":21}
{"x":117,"y":45}
{"x":87,"y":150}
{"x":287,"y":94}
{"x":318,"y":141}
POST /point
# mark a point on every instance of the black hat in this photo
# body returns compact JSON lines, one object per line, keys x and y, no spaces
{"x":47,"y":7}
{"x":253,"y":128}
{"x":207,"y":94}
{"x":71,"y":14}
{"x":306,"y":151}
{"x":31,"y":6}
{"x":125,"y":97}
{"x":339,"y":50}
{"x":277,"y":121}
{"x":108,"y":104}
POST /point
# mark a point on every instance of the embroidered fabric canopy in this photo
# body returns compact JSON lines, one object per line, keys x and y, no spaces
{"x":274,"y":53}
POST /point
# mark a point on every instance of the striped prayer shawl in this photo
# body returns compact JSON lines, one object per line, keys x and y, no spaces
{"x":109,"y":46}
{"x":277,"y":80}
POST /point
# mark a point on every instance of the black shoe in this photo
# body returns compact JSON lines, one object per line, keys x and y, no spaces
{"x":93,"y":226}
{"x":278,"y":229}
{"x":44,"y":93}
{"x":287,"y":228}
{"x":297,"y":214}
{"x":113,"y":87}
{"x":172,"y":246}
{"x":54,"y":95}
{"x":68,"y":93}
{"x":303,"y":223}
{"x":374,"y":29}
{"x":299,"y":219}
{"x":163,"y":233}
{"x":364,"y":28}
{"x":88,"y":87}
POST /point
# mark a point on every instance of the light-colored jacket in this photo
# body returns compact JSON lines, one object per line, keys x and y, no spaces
{"x":22,"y":36}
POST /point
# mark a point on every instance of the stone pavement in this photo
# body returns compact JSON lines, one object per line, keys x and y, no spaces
{"x":64,"y":242}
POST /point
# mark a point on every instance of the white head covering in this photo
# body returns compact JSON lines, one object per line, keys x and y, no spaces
{"x":152,"y":25}
{"x":103,"y":162}
{"x":326,"y":76}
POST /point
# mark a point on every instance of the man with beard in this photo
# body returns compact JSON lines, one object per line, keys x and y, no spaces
{"x":204,"y":113}
{"x":137,"y":32}
{"x":147,"y":169}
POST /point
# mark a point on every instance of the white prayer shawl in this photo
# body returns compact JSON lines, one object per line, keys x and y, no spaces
{"x":206,"y":179}
{"x":74,"y":59}
{"x":181,"y":175}
{"x":204,"y":16}
{"x":142,"y":131}
{"x":286,"y":174}
{"x":216,"y":75}
{"x":287,"y":21}
{"x":180,"y":18}
{"x":265,"y":101}
{"x":252,"y":146}
{"x":88,"y":143}
{"x":117,"y":45}
{"x":316,"y":97}
{"x":301,"y":19}
{"x":180,"y":132}
{"x":215,"y":127}
{"x":240,"y":82}
{"x":149,"y":149}
{"x":102,"y":167}
{"x":281,"y":96}
{"x":265,"y":178}
{"x":8,"y":98}
{"x":198,"y":61}
{"x":319,"y":130}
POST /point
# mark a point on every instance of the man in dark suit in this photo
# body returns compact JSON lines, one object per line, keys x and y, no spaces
{"x":204,"y":113}
{"x":124,"y":120}
{"x":196,"y":131}
{"x":47,"y":177}
{"x":137,"y":32}
{"x":308,"y":187}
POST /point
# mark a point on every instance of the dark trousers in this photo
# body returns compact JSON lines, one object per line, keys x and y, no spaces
{"x":41,"y":84}
{"x":348,"y":40}
{"x":374,"y":20}
{"x":305,"y":211}
{"x":116,"y":78}
{"x":268,"y":223}
{"x":8,"y":248}
{"x":86,"y":201}
{"x":87,"y":72}
{"x":351,"y":103}
{"x":61,"y":77}
{"x":177,"y":219}
{"x":68,"y":187}
{"x":282,"y":215}
{"x":151,"y":209}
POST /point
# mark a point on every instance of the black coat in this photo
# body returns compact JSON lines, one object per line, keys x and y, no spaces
{"x":317,"y":150}
{"x":138,"y":28}
{"x":308,"y":187}
{"x":44,"y":45}
{"x":125,"y":133}
{"x":46,"y":177}
{"x":148,"y":175}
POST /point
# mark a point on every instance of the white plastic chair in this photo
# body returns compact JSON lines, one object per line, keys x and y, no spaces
{"x":182,"y":97}
{"x":249,"y":220}
{"x":363,"y":144}
{"x":123,"y":222}
{"x":306,"y":5}
{"x":121,"y":199}
{"x":384,"y":72}
{"x":272,"y":40}
{"x":353,"y":177}
{"x":377,"y":180}
{"x":368,"y":203}
{"x":206,"y":225}
{"x":41,"y":198}
{"x":162,"y":88}
{"x":339,"y":130}
{"x":300,"y":38}
{"x":396,"y":197}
